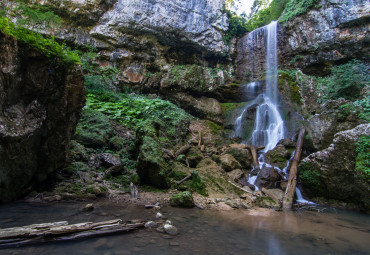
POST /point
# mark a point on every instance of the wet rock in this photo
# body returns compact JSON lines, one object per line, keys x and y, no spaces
{"x":266,"y":202}
{"x":183,"y":199}
{"x":87,"y":208}
{"x":158,"y":215}
{"x":236,"y":175}
{"x":229,"y":163}
{"x":52,"y":198}
{"x":232,"y":203}
{"x":241,"y":154}
{"x":276,"y":194}
{"x":278,"y":156}
{"x":249,"y":186}
{"x":170,"y":229}
{"x":331,"y":173}
{"x":151,"y":224}
{"x":151,"y":166}
{"x":40,"y":104}
{"x":268,"y":177}
{"x":77,"y":152}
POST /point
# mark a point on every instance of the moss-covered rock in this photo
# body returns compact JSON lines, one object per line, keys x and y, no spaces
{"x":183,"y":199}
{"x":94,"y":129}
{"x":151,"y":166}
{"x":278,"y":156}
{"x":229,"y":163}
{"x":77,"y":152}
{"x":74,"y":167}
{"x":331,"y":173}
{"x":241,"y":154}
{"x":266,"y":202}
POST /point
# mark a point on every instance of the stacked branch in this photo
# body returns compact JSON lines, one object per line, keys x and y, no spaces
{"x":61,"y":231}
{"x":292,"y":182}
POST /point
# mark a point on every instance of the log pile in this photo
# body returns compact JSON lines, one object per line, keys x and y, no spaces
{"x":62,"y":231}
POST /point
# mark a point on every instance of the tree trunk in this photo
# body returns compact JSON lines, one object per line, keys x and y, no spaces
{"x":292,"y":182}
{"x":254,"y":151}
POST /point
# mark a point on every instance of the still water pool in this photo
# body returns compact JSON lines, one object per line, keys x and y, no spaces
{"x":259,"y":231}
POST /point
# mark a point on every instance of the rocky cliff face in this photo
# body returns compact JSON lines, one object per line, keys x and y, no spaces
{"x":40,"y":103}
{"x":331,"y":172}
{"x":334,"y":33}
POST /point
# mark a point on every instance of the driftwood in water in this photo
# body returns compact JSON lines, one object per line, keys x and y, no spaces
{"x":292,"y":182}
{"x":254,"y":151}
{"x":61,"y":231}
{"x":185,"y":179}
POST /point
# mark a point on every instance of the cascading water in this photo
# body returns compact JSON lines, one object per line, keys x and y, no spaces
{"x":268,"y":126}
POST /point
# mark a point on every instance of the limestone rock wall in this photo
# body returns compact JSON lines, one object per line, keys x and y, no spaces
{"x":40,"y":103}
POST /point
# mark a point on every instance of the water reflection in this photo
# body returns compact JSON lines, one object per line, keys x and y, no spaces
{"x":202,"y":232}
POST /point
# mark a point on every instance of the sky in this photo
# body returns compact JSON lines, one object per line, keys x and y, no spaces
{"x":243,"y":6}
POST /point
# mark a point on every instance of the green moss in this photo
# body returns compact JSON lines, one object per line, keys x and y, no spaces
{"x":48,"y":46}
{"x":363,"y":156}
{"x":266,"y":202}
{"x":228,"y":107}
{"x":177,"y":175}
{"x":196,"y":184}
{"x":94,"y":129}
{"x":296,"y":8}
{"x":311,"y":180}
{"x":215,"y":129}
{"x":183,"y":199}
{"x":294,"y":92}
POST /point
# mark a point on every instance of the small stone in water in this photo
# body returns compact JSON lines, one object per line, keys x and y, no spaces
{"x":88,"y":208}
{"x":168,"y":222}
{"x":159,"y":215}
{"x":169,"y":229}
{"x":174,"y":244}
{"x":150,"y":224}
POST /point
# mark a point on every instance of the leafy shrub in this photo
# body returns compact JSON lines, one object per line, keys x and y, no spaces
{"x":237,"y":26}
{"x":294,"y":8}
{"x":345,"y":81}
{"x":132,"y":110}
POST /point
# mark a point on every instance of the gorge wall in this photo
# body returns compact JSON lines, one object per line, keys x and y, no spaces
{"x":40,"y":103}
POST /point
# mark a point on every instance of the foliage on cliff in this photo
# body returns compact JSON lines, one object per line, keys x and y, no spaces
{"x":36,"y":17}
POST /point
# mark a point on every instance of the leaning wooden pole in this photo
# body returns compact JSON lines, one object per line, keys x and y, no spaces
{"x":292,"y":182}
{"x":254,"y":151}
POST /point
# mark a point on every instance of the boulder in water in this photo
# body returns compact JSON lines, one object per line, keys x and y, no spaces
{"x":278,"y":156}
{"x":267,"y":177}
{"x":183,"y":199}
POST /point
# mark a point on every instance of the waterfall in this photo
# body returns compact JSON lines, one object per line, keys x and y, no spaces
{"x":268,"y":126}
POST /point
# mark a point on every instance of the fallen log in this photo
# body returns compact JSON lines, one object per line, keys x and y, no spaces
{"x":57,"y":232}
{"x":292,"y":182}
{"x":254,"y":151}
{"x":184,"y":180}
{"x":240,"y":188}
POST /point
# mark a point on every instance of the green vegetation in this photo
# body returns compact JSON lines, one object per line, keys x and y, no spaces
{"x":312,"y":180}
{"x":345,"y":81}
{"x":286,"y":78}
{"x":130,"y":110}
{"x":363,"y":156}
{"x":196,"y":184}
{"x":294,"y":8}
{"x":183,"y":199}
{"x":48,"y":46}
{"x":237,"y":27}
